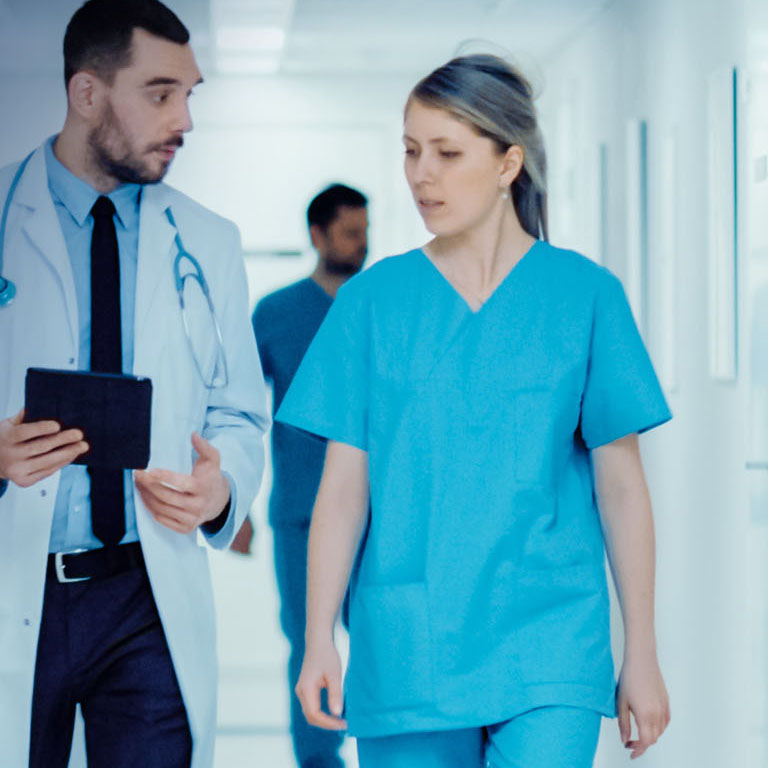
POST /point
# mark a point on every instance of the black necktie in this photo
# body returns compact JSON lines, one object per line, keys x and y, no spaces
{"x":107,"y":496}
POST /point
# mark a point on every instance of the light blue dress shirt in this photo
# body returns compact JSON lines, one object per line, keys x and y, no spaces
{"x":73,"y":199}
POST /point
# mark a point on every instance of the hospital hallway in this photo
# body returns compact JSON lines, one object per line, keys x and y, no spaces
{"x":655,"y":121}
{"x":253,"y":707}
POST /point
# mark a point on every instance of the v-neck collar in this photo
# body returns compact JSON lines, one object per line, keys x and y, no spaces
{"x":460,"y":296}
{"x":320,"y":288}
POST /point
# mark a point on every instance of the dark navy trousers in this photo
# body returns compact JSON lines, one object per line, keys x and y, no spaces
{"x":101,"y":644}
{"x":313,"y":747}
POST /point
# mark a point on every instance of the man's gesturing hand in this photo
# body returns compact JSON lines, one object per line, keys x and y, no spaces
{"x":32,"y":452}
{"x":184,"y":502}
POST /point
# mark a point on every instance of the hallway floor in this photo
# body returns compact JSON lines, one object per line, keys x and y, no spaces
{"x":253,"y":693}
{"x":253,"y":730}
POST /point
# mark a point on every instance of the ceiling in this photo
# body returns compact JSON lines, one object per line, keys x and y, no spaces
{"x":329,"y":36}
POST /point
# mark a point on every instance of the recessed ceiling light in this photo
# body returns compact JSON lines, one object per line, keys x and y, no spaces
{"x":250,"y":38}
{"x":230,"y":64}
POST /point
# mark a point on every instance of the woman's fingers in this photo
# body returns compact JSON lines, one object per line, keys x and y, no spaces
{"x":650,"y":726}
{"x":645,"y":738}
{"x":309,"y":694}
{"x":625,"y":725}
{"x":335,"y":696}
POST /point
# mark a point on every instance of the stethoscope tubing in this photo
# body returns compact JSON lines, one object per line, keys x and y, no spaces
{"x":8,"y":288}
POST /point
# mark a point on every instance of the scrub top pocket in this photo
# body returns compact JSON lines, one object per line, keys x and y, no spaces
{"x":532,"y":413}
{"x":560,"y":610}
{"x":390,"y":664}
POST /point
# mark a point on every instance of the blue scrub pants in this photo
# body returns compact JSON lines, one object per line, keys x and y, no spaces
{"x":313,"y":747}
{"x":548,"y":737}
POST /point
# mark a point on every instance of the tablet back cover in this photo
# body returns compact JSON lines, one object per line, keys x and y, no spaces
{"x":112,"y":410}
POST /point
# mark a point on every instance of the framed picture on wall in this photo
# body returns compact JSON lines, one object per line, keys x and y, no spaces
{"x":668,"y":260}
{"x":755,"y":286}
{"x":637,"y":220}
{"x":722,"y":248}
{"x":602,"y":212}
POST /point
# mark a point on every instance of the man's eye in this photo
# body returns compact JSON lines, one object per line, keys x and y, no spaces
{"x":448,"y":154}
{"x":410,"y":152}
{"x":160,"y":98}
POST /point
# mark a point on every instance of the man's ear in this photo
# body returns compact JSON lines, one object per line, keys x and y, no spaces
{"x":85,"y":94}
{"x":317,"y":235}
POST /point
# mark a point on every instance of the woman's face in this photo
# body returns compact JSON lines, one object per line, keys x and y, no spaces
{"x":456,"y":176}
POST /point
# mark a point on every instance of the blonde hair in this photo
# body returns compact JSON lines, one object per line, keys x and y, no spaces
{"x":497,"y":101}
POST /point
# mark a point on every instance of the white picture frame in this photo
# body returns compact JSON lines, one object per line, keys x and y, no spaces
{"x":668,"y":260}
{"x":722,"y":245}
{"x":637,"y":220}
{"x":602,"y":187}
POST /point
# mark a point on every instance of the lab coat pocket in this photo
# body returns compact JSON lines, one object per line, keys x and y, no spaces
{"x":390,"y":660}
{"x":533,"y":413}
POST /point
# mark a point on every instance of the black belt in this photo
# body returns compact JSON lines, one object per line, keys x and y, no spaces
{"x":94,"y":563}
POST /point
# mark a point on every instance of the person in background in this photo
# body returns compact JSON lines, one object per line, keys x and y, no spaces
{"x":285,"y":323}
{"x":482,"y":397}
{"x":106,"y":598}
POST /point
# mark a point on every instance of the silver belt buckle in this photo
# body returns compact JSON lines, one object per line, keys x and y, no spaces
{"x":59,"y":563}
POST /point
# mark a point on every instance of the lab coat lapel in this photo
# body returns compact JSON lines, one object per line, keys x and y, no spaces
{"x":43,"y":229}
{"x":154,"y":274}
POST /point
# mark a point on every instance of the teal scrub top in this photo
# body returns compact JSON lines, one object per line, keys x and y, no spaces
{"x":480,"y":590}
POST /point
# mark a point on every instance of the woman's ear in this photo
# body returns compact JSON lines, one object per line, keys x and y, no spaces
{"x":514,"y":158}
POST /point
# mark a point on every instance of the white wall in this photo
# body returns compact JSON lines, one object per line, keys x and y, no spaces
{"x":651,"y":61}
{"x":262,"y":147}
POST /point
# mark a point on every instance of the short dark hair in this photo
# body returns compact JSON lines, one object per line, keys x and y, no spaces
{"x":98,"y":36}
{"x":324,"y":207}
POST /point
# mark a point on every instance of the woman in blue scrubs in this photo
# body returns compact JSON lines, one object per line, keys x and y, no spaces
{"x":481,"y":397}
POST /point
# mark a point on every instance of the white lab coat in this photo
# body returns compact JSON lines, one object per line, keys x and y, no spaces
{"x":40,"y":329}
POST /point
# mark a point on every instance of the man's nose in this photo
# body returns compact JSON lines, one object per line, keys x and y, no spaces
{"x":183,"y":119}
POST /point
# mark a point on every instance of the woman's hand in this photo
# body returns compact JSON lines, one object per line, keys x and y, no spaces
{"x":625,"y":514}
{"x":643,"y":693}
{"x":338,"y":521}
{"x":321,"y":669}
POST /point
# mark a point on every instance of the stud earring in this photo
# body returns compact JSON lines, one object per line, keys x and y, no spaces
{"x":505,"y":195}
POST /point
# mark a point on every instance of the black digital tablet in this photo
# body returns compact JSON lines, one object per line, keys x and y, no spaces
{"x":112,"y":410}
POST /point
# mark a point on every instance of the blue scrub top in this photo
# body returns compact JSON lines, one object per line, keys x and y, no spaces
{"x":481,"y":590}
{"x":285,"y":322}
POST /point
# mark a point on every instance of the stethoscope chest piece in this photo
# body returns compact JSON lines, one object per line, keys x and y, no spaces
{"x":7,"y":292}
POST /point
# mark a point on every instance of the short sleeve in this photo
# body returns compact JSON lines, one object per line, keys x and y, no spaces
{"x":622,"y":394}
{"x":329,"y":394}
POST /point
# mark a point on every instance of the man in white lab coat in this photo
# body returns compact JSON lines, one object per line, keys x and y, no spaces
{"x":126,"y":627}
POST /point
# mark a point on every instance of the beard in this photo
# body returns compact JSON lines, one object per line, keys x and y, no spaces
{"x":116,"y":158}
{"x":334,"y":265}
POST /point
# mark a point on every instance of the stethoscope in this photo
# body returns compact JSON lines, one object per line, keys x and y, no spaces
{"x":7,"y":288}
{"x":220,"y":375}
